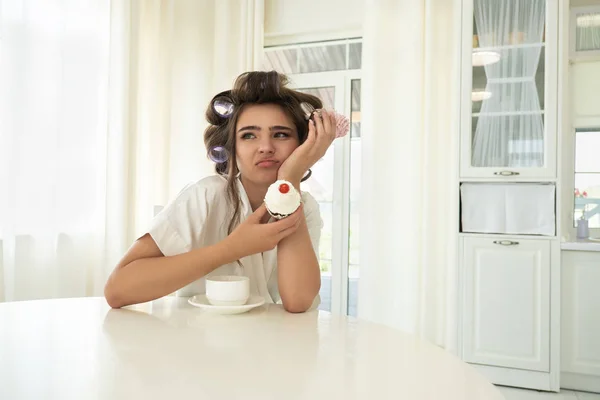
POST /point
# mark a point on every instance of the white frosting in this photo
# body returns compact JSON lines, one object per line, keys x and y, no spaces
{"x":282,"y":203}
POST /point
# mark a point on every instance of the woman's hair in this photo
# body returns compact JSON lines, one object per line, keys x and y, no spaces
{"x":256,"y":87}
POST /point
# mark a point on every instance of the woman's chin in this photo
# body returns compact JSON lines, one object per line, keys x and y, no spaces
{"x":264,"y":177}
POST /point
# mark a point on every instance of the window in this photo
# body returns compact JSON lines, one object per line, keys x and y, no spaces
{"x":331,"y":71}
{"x":314,"y":57}
{"x":587,"y":176}
{"x":585,"y":32}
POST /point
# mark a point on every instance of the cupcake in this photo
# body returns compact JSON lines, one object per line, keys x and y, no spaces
{"x":282,"y":199}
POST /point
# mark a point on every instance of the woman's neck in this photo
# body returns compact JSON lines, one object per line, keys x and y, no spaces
{"x":256,"y":193}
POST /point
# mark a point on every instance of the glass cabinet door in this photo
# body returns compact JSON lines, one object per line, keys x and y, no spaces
{"x":509,"y":67}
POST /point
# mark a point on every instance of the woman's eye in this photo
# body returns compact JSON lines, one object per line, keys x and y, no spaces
{"x":281,"y":135}
{"x":248,"y":136}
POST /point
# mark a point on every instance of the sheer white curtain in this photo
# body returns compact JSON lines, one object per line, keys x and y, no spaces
{"x":101,"y":118}
{"x":410,"y":163}
{"x":510,"y":128}
{"x":182,"y":53}
{"x":53,"y":116}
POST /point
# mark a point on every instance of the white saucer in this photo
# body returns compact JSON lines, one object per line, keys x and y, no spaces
{"x":201,"y":301}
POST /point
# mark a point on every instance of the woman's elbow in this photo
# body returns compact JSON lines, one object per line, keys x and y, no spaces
{"x":296,"y":306}
{"x":112,"y":296}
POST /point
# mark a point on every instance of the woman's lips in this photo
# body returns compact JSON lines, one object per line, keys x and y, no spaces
{"x":267,"y":163}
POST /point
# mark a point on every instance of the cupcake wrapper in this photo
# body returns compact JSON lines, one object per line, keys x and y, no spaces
{"x":277,"y":215}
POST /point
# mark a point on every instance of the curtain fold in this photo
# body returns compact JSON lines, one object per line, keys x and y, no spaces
{"x":101,"y":118}
{"x":409,"y":180}
{"x":510,"y":128}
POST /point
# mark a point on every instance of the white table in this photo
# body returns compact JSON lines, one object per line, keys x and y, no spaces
{"x":81,"y":349}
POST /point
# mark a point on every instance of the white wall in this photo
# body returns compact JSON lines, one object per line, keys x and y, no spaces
{"x":584,"y":3}
{"x":296,"y":21}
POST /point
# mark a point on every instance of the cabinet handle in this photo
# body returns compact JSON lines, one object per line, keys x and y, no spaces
{"x":506,"y":242}
{"x":506,"y":173}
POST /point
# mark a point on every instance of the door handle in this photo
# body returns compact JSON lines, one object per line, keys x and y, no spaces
{"x":506,"y":173}
{"x":506,"y":242}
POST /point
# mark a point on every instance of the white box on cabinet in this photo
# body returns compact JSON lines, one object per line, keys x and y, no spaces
{"x":509,"y":208}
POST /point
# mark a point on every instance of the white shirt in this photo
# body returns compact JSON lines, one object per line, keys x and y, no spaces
{"x":199,"y":216}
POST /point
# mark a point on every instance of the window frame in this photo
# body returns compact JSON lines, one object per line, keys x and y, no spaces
{"x":569,"y":228}
{"x":341,"y":80}
{"x":347,"y":42}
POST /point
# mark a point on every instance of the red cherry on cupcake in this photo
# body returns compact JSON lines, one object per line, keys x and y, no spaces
{"x":284,"y":188}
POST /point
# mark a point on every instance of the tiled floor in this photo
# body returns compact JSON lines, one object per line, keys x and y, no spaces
{"x":522,"y":394}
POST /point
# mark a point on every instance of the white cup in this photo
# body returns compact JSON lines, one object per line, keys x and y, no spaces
{"x":227,"y":290}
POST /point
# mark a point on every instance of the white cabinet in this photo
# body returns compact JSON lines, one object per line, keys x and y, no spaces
{"x":580,"y":322}
{"x":506,"y":310}
{"x":509,"y":284}
{"x":509,"y":89}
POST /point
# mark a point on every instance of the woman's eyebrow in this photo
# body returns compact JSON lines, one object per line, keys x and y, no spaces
{"x":249,"y":128}
{"x":280,"y":127}
{"x":271,"y":128}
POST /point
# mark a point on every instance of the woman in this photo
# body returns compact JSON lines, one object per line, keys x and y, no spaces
{"x":258,"y":134}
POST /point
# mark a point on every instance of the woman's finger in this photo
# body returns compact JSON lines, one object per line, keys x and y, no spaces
{"x":288,"y":231}
{"x":283,"y":224}
{"x":258,"y":215}
{"x":318,"y":118}
{"x":323,"y":138}
{"x":266,"y":218}
{"x":312,"y":134}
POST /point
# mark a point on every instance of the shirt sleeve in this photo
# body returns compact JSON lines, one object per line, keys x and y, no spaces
{"x":180,"y":224}
{"x":314,"y":222}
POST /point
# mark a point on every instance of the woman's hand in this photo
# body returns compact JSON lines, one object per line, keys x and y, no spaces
{"x":320,"y":136}
{"x":256,"y":234}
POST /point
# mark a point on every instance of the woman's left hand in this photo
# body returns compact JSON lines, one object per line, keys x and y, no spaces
{"x":320,"y":136}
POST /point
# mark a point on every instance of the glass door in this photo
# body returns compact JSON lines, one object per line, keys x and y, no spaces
{"x":335,"y":183}
{"x":509,"y":76}
{"x":354,"y":197}
{"x":331,"y":71}
{"x":325,"y":185}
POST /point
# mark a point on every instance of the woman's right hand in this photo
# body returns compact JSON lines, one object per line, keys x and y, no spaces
{"x":256,"y":235}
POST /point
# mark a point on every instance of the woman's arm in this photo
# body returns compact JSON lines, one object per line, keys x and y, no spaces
{"x":298,"y":273}
{"x":144,"y":274}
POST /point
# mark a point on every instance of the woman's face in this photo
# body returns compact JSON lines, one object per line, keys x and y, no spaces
{"x":265,"y":136}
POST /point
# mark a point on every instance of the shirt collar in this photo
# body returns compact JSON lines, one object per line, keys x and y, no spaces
{"x":246,"y":209}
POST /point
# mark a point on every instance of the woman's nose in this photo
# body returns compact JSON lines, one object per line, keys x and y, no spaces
{"x":266,"y":146}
